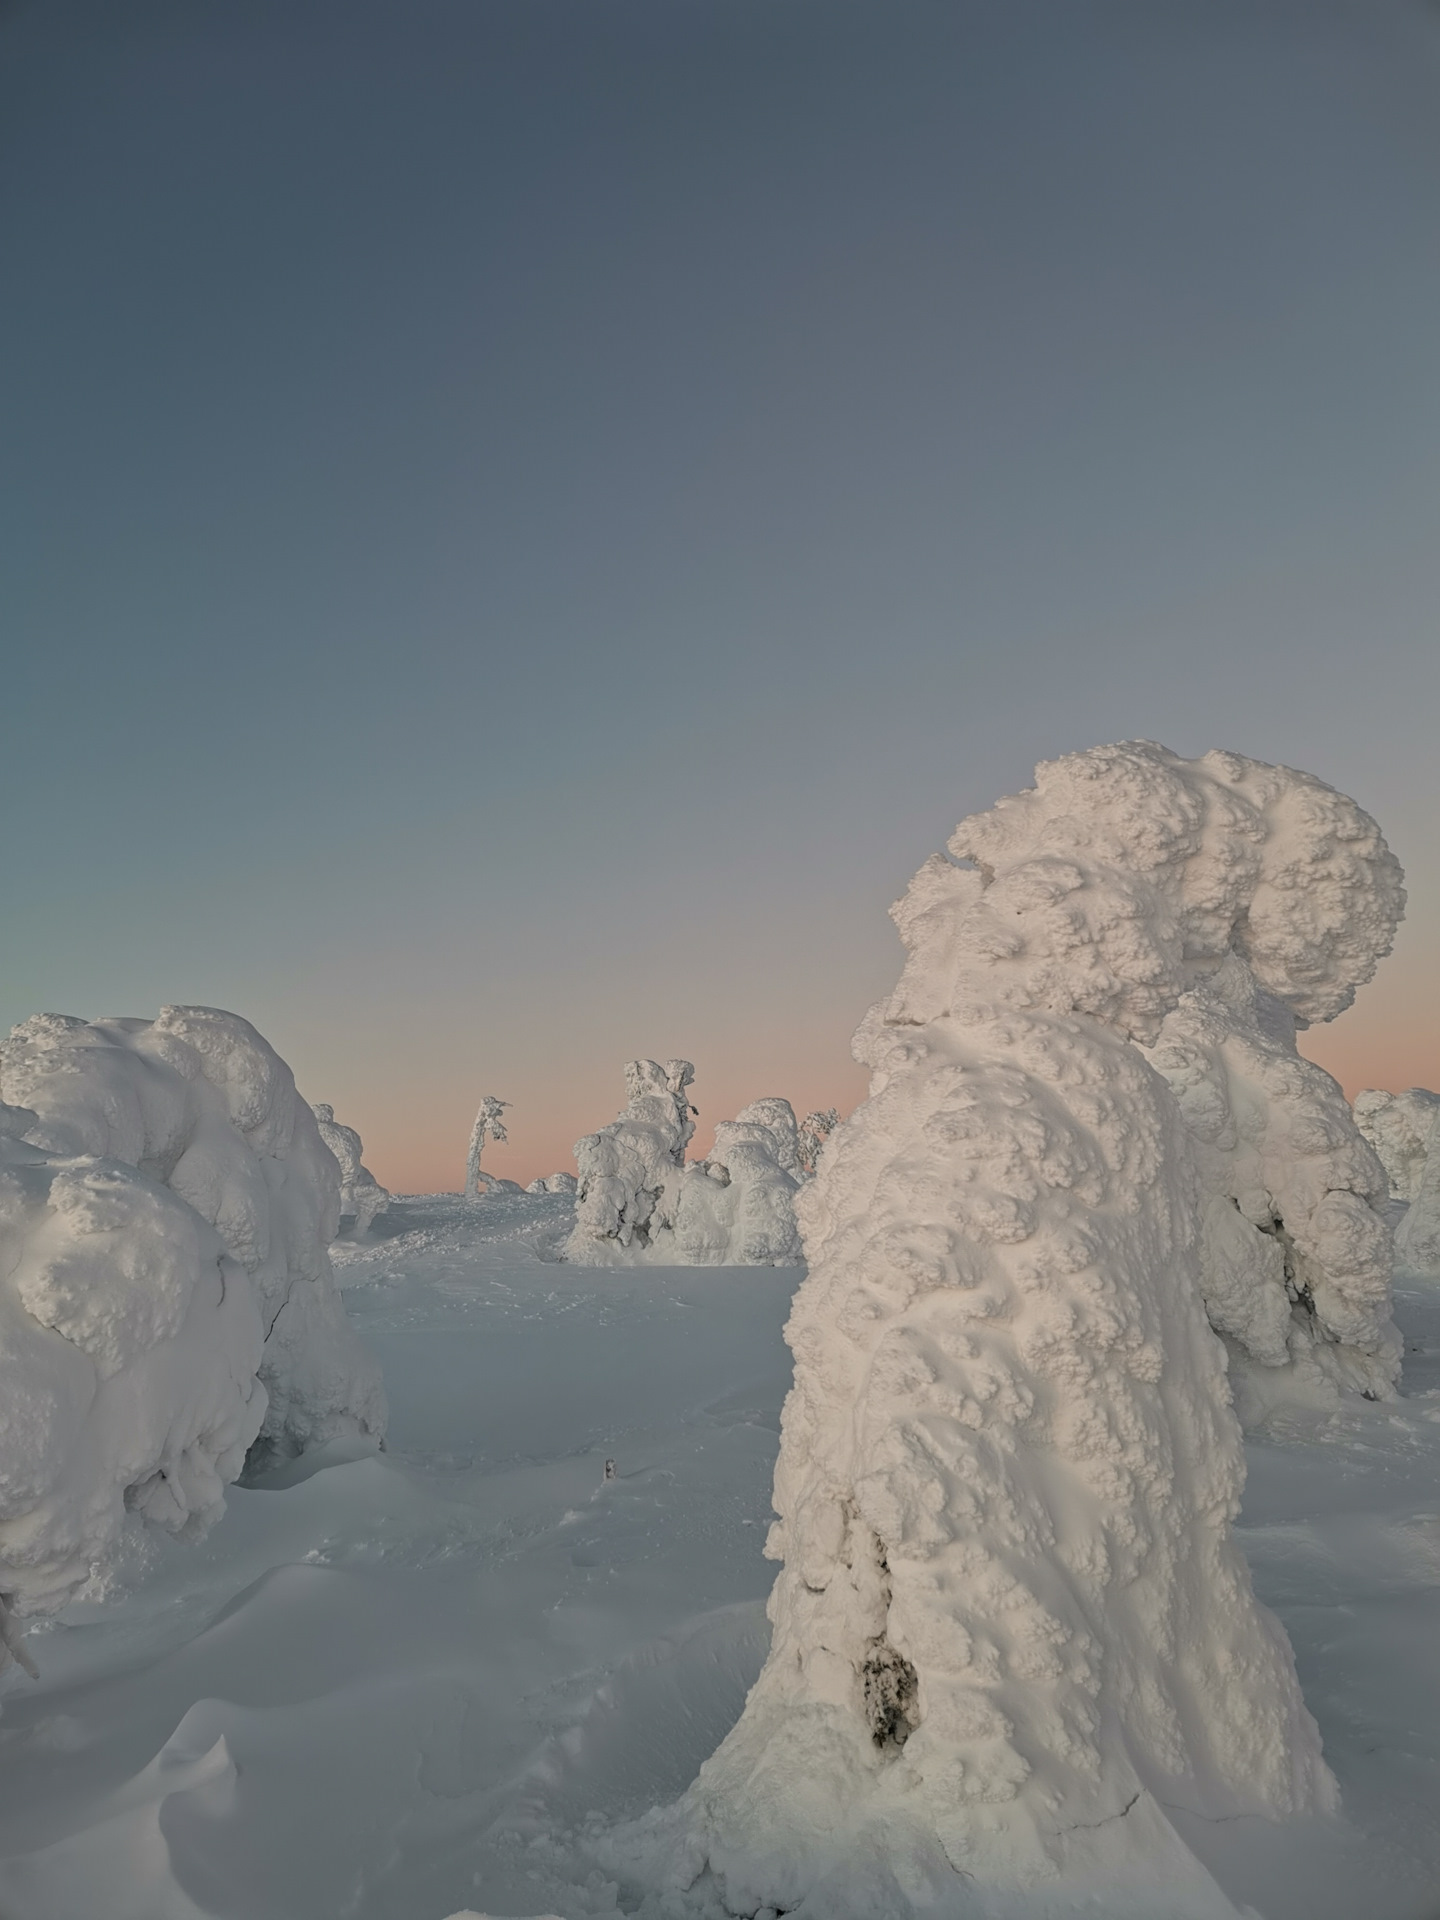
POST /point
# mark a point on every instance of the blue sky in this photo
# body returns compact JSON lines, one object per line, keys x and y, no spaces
{"x":521,"y":524}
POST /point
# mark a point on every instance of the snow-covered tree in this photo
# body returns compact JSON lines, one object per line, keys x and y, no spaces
{"x":815,"y":1129}
{"x":1405,"y":1131}
{"x":1399,"y":1127}
{"x":1296,"y":1249}
{"x":624,"y":1169}
{"x":1012,"y":1628}
{"x":362,"y":1197}
{"x":488,"y":1126}
{"x":166,"y":1202}
{"x":638,"y":1203}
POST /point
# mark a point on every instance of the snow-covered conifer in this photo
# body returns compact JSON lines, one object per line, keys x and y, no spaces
{"x":361,"y":1195}
{"x":638,"y":1203}
{"x":815,"y":1129}
{"x":488,"y":1126}
{"x":625,"y":1167}
{"x":1399,"y":1127}
{"x":1012,"y":1627}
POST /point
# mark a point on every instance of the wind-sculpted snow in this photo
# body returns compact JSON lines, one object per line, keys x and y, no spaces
{"x":639,"y":1204}
{"x":1399,"y":1126}
{"x":206,"y":1112}
{"x":1012,"y":1626}
{"x":362,"y":1197}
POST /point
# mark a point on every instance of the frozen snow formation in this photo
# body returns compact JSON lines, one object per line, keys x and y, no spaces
{"x":1400,"y":1127}
{"x":183,"y":1247}
{"x":1296,"y":1250}
{"x":638,"y":1203}
{"x":1012,"y":1629}
{"x":361,"y":1195}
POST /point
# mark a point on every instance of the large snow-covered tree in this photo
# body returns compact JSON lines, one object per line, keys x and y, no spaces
{"x":1012,"y":1627}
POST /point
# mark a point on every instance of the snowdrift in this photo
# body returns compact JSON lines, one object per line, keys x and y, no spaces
{"x":362,"y":1198}
{"x":167,"y":1205}
{"x":1012,"y":1628}
{"x":639,"y":1204}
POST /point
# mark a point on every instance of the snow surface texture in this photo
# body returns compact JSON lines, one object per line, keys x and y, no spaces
{"x":361,"y":1195}
{"x":1013,"y":1632}
{"x":1296,"y":1250}
{"x":199,"y":1104}
{"x":639,"y":1204}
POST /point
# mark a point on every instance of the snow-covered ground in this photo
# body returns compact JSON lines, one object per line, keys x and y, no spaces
{"x":398,"y":1685}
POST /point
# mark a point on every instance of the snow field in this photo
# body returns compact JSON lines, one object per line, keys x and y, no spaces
{"x":444,"y":1676}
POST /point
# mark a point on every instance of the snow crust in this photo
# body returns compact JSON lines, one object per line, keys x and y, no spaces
{"x":169,"y":1210}
{"x":639,"y":1204}
{"x":362,"y":1198}
{"x":1012,"y":1630}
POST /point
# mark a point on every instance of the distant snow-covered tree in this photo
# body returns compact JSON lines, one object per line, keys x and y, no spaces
{"x":488,"y":1126}
{"x":815,"y":1129}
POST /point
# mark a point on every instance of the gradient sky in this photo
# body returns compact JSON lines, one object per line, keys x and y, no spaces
{"x":524,"y":521}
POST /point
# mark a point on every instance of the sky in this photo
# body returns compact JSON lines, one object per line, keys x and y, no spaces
{"x":522,"y":522}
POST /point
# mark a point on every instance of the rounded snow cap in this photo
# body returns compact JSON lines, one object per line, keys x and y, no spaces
{"x":1125,"y":875}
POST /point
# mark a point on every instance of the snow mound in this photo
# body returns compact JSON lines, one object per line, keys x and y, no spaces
{"x":1398,"y":1126}
{"x":553,"y":1183}
{"x":1012,"y":1626}
{"x":361,"y":1195}
{"x":200,"y":1104}
{"x":639,"y":1204}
